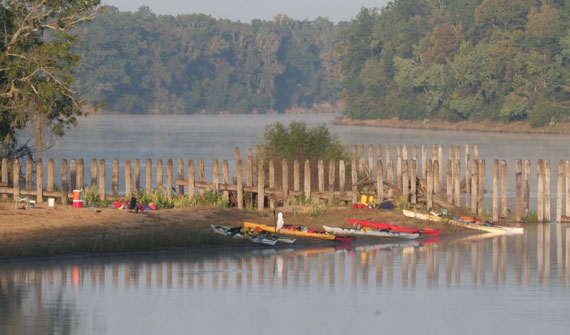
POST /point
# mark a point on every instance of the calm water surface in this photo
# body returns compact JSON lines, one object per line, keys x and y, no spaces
{"x":494,"y":285}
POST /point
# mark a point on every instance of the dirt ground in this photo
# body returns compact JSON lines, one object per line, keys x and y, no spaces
{"x":63,"y":229}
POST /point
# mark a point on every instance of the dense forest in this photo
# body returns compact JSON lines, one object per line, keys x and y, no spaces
{"x":499,"y":60}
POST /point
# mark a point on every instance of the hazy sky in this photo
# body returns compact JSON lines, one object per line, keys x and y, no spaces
{"x":246,"y":10}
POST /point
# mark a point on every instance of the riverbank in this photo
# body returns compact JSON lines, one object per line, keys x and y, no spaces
{"x":480,"y":126}
{"x":47,"y":231}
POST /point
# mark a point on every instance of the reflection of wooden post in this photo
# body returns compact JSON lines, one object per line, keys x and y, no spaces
{"x":239,"y":183}
{"x":496,"y":190}
{"x":518,"y":191}
{"x":559,"y":190}
{"x":285,"y":182}
{"x":504,"y":206}
{"x":547,"y":206}
{"x":526,"y":197}
{"x":540,"y":191}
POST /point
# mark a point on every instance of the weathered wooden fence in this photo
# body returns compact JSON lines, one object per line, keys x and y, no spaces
{"x":422,"y":182}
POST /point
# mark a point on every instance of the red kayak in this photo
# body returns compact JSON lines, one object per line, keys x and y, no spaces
{"x":393,"y":227}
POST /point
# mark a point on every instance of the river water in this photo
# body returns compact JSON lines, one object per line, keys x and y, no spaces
{"x":516,"y":284}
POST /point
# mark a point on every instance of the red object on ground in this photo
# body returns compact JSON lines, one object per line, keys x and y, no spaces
{"x":393,"y":227}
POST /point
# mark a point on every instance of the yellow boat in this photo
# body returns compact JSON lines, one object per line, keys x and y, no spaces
{"x":291,"y":230}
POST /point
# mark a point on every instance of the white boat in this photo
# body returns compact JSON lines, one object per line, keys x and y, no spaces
{"x":365,"y":231}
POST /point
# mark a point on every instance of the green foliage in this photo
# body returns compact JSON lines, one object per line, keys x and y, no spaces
{"x":208,"y":198}
{"x":532,"y":217}
{"x":158,"y":196}
{"x":316,"y":208}
{"x":297,"y":141}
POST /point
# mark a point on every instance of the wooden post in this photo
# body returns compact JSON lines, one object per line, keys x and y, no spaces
{"x":398,"y":165}
{"x":380,"y":180}
{"x":93,"y":174}
{"x":29,"y":174}
{"x":137,"y":175}
{"x":379,"y":151}
{"x":102,"y":186}
{"x":449,"y":180}
{"x":5,"y":176}
{"x":307,"y":183}
{"x":540,"y":191}
{"x":341,"y":178}
{"x":559,"y":190}
{"x":50,"y":174}
{"x":440,"y":160}
{"x":16,"y":179}
{"x":526,"y":197}
{"x":148,"y":176}
{"x":518,"y":190}
{"x":547,"y":205}
{"x":115,"y":179}
{"x":73,"y":175}
{"x":457,"y":184}
{"x":429,"y":181}
{"x":192,"y":180}
{"x":496,"y":190}
{"x":474,"y":184}
{"x":405,"y":181}
{"x":321,"y":175}
{"x":239,"y":183}
{"x":481,"y":187}
{"x":568,"y":190}
{"x":249,"y":171}
{"x":332,"y":179}
{"x":504,"y":203}
{"x":424,"y":159}
{"x":64,"y":184}
{"x":128,"y":179}
{"x":271,"y":184}
{"x":216,"y":175}
{"x":370,"y":159}
{"x":413,"y":182}
{"x":467,"y":172}
{"x":225,"y":181}
{"x":180,"y":175}
{"x":390,"y":177}
{"x":436,"y":176}
{"x":296,"y":176}
{"x":80,"y":174}
{"x":237,"y":156}
{"x":285,"y":176}
{"x":170,"y":177}
{"x":39,"y":181}
{"x":260,"y":185}
{"x":354,"y":182}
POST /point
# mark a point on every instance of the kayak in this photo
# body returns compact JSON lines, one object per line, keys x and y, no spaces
{"x":486,"y":226}
{"x":256,"y":237}
{"x":421,"y":216}
{"x":367,"y":231}
{"x":298,"y":231}
{"x":392,"y":227}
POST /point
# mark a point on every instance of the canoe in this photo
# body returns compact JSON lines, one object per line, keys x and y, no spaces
{"x":263,"y":238}
{"x":298,"y":231}
{"x":392,"y":227}
{"x":367,"y":231}
{"x":421,"y":216}
{"x":487,"y":226}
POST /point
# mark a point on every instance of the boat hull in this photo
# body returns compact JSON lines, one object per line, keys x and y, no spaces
{"x":294,"y":232}
{"x":393,"y":227}
{"x":370,"y":232}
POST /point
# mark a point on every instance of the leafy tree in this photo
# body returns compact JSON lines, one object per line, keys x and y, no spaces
{"x":36,"y":68}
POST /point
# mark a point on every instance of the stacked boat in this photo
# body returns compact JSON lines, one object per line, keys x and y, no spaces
{"x":252,"y":235}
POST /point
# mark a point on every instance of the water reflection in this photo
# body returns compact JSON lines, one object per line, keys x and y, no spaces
{"x":43,"y":294}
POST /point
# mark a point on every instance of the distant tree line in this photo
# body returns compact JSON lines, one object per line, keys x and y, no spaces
{"x":140,"y":62}
{"x":499,"y":60}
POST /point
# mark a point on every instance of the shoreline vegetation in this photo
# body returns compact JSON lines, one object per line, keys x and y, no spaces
{"x":478,"y":126}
